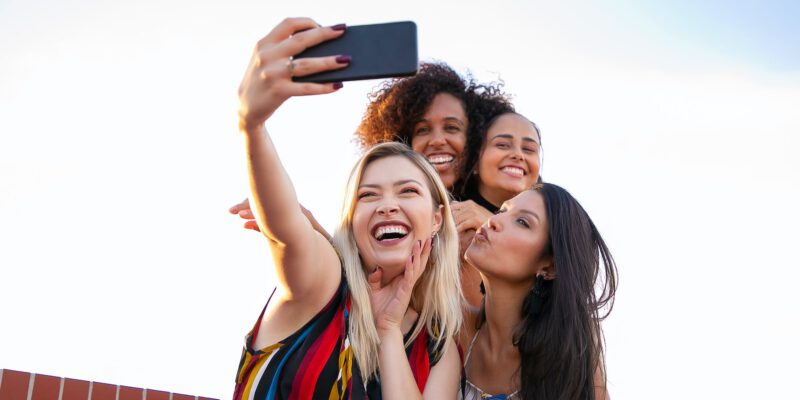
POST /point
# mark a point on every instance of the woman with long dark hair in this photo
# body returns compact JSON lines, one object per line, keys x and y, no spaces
{"x":549,"y":281}
{"x":505,"y":161}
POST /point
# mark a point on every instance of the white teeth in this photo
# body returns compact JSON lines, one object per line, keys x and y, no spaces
{"x":513,"y":171}
{"x":386,"y":229}
{"x":440,"y":158}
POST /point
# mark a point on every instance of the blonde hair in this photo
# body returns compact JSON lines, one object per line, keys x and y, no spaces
{"x":437,"y":294}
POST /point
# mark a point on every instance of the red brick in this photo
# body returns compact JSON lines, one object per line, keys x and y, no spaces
{"x":103,"y":391}
{"x":176,"y":396}
{"x":15,"y":385}
{"x":75,"y":389}
{"x":129,"y":393}
{"x":205,"y":398}
{"x":157,"y":395}
{"x":46,"y":387}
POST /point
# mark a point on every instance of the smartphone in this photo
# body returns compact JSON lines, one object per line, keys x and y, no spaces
{"x":378,"y":51}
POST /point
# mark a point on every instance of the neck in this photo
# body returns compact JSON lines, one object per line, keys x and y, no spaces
{"x":494,"y":195}
{"x":503,"y":308}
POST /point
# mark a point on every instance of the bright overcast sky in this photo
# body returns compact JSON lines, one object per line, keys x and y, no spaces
{"x":674,"y":123}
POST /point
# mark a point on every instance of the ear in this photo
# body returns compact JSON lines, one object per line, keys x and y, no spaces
{"x":547,"y":269}
{"x":438,"y":217}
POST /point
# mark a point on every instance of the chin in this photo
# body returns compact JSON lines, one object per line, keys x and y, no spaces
{"x":473,"y":256}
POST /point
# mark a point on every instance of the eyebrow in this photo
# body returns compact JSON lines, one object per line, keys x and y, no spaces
{"x":524,"y":211}
{"x":398,"y":183}
{"x":511,"y":137}
{"x":535,"y":215}
{"x":450,"y":118}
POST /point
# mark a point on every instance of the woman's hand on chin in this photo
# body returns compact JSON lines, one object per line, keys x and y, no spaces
{"x":390,"y":302}
{"x":267,"y":83}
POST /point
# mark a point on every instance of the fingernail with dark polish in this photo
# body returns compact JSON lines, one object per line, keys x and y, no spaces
{"x":339,"y":27}
{"x":344,"y":59}
{"x":337,"y":85}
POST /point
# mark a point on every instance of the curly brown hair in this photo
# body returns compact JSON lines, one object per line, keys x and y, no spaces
{"x":398,"y":104}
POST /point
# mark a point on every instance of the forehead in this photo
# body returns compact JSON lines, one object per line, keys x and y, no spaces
{"x":389,"y":170}
{"x":513,"y":124}
{"x":445,"y":105}
{"x":529,"y":200}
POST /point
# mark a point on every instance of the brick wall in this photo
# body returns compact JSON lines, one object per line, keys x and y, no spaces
{"x":17,"y":385}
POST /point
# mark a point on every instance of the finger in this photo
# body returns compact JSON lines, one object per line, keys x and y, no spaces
{"x":414,"y":266}
{"x":464,"y":225}
{"x":246,"y":214}
{"x":425,"y":253}
{"x":308,"y":66}
{"x":459,"y":218}
{"x":311,"y":37}
{"x":252,"y":225}
{"x":244,"y":205}
{"x":287,"y":28}
{"x":374,"y":278}
{"x":310,"y":89}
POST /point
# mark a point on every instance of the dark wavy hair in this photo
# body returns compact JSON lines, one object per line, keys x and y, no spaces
{"x":468,"y":186}
{"x":398,"y":104}
{"x":559,"y":339}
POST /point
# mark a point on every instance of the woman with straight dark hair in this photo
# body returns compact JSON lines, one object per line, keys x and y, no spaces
{"x":549,"y":281}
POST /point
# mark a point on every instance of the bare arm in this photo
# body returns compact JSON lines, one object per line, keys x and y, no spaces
{"x":306,"y":263}
{"x":445,"y":376}
{"x":397,"y":380}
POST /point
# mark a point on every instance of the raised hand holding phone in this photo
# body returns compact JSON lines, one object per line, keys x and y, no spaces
{"x":268,"y":80}
{"x":377,"y":50}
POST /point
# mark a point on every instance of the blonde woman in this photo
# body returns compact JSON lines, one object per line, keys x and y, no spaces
{"x":372,"y":313}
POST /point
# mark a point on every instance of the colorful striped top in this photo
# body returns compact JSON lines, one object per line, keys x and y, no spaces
{"x":316,"y":361}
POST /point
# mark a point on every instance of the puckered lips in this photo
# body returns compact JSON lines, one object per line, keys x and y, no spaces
{"x":390,"y":232}
{"x":482,"y":235}
{"x":513,"y":170}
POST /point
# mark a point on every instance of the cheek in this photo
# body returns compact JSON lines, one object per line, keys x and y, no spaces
{"x":523,"y":256}
{"x":533,"y":167}
{"x":360,"y":221}
{"x":486,"y":162}
{"x":420,"y":215}
{"x":458,"y":142}
{"x":418,"y":144}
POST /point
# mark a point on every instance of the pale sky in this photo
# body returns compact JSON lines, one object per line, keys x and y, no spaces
{"x":674,"y":124}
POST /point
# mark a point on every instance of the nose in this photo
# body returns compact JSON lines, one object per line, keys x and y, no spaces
{"x":387,"y":208}
{"x":437,"y":138}
{"x":493,"y":223}
{"x":517,"y":154}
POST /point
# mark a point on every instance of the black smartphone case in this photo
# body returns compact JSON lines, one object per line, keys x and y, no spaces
{"x":378,"y":51}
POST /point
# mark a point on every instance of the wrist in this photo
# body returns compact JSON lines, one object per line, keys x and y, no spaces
{"x":390,"y":333}
{"x":249,"y":127}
